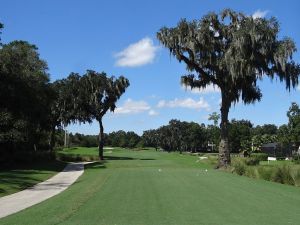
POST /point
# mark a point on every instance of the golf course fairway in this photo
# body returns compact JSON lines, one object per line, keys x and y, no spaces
{"x":158,"y":188}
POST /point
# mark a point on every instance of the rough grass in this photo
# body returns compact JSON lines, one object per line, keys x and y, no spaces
{"x":148,"y":187}
{"x":22,"y":177}
{"x":284,"y":172}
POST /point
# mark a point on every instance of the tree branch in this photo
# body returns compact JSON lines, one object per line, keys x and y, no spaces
{"x":198,"y":69}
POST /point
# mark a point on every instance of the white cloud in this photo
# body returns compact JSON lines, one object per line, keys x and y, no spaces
{"x":132,"y":107}
{"x":185,"y":103}
{"x":208,"y":90}
{"x":153,"y":113}
{"x":259,"y":14}
{"x":137,"y":54}
{"x":161,"y":103}
{"x":298,"y":88}
{"x":153,"y":96}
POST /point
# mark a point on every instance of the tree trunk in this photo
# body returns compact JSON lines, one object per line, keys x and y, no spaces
{"x":52,"y":139}
{"x":65,"y":141}
{"x":224,"y":151}
{"x":101,"y":140}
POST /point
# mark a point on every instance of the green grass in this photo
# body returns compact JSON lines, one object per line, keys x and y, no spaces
{"x":17,"y":179}
{"x":148,"y":187}
{"x":276,"y":163}
{"x":81,"y":151}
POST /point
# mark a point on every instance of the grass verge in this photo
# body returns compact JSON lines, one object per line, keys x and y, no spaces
{"x":23,"y":176}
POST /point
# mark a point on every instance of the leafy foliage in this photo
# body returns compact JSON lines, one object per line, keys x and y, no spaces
{"x":177,"y":136}
{"x":123,"y":139}
{"x":240,"y":135}
{"x":89,"y":97}
{"x":232,"y":51}
{"x":293,"y":115}
{"x":25,"y":98}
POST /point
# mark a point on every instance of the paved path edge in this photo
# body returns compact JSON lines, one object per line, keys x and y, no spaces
{"x":42,"y":191}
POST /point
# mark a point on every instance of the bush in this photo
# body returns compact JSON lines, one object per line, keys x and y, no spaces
{"x":251,"y":161}
{"x":239,"y":166}
{"x":296,"y":177}
{"x":283,"y":175}
{"x":296,"y":159}
{"x":260,"y":156}
{"x":252,"y":172}
{"x":265,"y":173}
{"x":76,"y":157}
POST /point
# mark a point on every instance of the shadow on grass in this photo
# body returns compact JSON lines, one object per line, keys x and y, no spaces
{"x":39,"y":166}
{"x":21,"y":177}
{"x":118,"y":158}
{"x":2,"y":190}
{"x":17,"y":182}
{"x":95,"y":165}
{"x":124,"y":158}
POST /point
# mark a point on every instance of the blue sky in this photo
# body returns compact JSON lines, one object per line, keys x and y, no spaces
{"x":118,"y":37}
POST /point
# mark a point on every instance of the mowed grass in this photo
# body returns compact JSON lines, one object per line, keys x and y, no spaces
{"x":80,"y":151}
{"x":277,"y":163}
{"x":24,"y":176}
{"x":153,"y":188}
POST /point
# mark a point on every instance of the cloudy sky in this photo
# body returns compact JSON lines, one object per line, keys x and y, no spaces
{"x":118,"y":37}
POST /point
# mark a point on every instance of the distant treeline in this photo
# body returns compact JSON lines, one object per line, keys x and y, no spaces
{"x":190,"y":136}
{"x":115,"y":139}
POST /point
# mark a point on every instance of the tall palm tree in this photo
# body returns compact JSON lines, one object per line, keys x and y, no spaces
{"x":232,"y":51}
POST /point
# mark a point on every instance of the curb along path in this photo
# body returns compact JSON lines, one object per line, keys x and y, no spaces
{"x":21,"y":200}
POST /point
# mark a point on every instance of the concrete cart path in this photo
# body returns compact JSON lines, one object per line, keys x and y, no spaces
{"x":21,"y":200}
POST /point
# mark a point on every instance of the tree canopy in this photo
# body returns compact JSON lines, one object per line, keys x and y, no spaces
{"x":293,"y":115}
{"x":88,"y":97}
{"x":232,"y":51}
{"x":25,"y":97}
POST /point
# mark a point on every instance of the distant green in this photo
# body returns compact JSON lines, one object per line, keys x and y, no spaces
{"x":158,"y":188}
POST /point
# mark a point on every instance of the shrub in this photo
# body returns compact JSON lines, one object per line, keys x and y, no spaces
{"x":296,"y":177}
{"x":296,"y":159}
{"x":251,"y":161}
{"x":239,"y":166}
{"x":283,"y":175}
{"x":265,"y":173}
{"x":252,"y":172}
{"x":76,"y":157}
{"x":260,"y":156}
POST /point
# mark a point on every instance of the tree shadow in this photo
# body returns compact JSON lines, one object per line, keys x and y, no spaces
{"x":95,"y":165}
{"x":124,"y":158}
{"x":18,"y":181}
{"x":2,"y":190}
{"x":147,"y":159}
{"x":20,"y":177}
{"x":118,"y":158}
{"x":54,"y":165}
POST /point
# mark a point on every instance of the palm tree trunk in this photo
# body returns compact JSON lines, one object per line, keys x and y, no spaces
{"x":224,"y":151}
{"x":101,"y":139}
